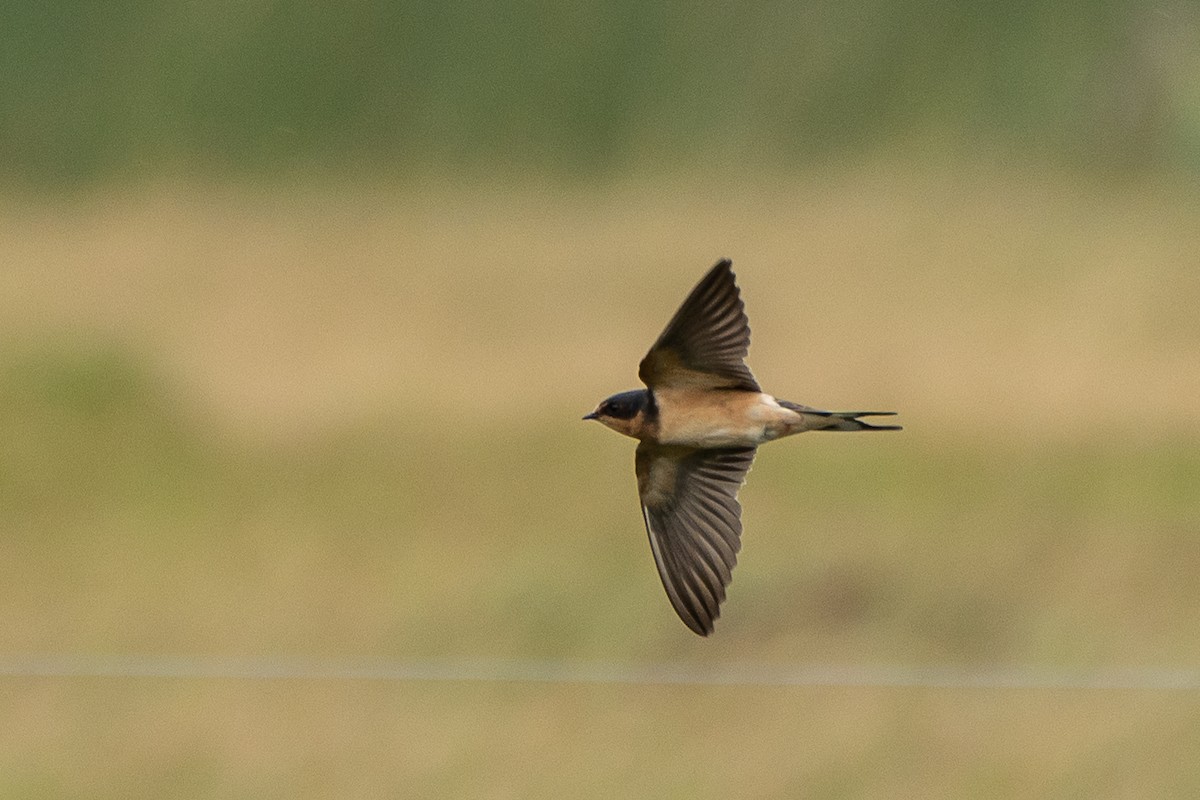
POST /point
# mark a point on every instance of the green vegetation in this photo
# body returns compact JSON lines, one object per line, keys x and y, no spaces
{"x":129,"y":531}
{"x":130,"y":88}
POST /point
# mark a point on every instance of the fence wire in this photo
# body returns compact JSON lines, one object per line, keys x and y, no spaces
{"x":144,"y":666}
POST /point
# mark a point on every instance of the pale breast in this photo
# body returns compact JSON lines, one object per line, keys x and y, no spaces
{"x":720,"y":418}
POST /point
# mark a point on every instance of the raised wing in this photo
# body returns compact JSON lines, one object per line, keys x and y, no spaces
{"x":689,"y":504}
{"x":705,"y":343}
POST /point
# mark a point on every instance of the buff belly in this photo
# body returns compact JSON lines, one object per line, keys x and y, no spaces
{"x":713,"y":419}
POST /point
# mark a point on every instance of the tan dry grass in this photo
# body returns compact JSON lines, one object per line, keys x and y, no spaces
{"x":982,"y":298}
{"x":1040,"y":508}
{"x":311,"y":739}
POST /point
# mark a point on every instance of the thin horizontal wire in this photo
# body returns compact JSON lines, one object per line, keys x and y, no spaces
{"x":566,"y":672}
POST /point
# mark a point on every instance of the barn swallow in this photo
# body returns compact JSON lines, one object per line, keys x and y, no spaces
{"x":698,"y":424}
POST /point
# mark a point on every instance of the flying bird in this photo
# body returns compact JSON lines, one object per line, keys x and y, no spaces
{"x":698,"y":424}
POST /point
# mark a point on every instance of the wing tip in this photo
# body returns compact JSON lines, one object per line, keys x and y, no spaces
{"x":694,"y":615}
{"x":717,"y":272}
{"x":699,"y":624}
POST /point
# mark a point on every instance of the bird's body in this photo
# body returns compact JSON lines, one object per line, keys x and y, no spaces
{"x":698,"y":424}
{"x":701,"y":418}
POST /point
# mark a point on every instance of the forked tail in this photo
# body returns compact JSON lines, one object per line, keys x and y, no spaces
{"x":817,"y":420}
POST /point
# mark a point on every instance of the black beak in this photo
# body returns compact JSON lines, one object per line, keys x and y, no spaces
{"x":592,"y":415}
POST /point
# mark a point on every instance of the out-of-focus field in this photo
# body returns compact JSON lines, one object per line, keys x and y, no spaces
{"x":344,"y":422}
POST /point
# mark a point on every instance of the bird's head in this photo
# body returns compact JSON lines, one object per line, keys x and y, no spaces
{"x":624,"y":413}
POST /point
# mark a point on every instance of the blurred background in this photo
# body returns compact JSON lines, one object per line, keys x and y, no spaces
{"x":303,"y":303}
